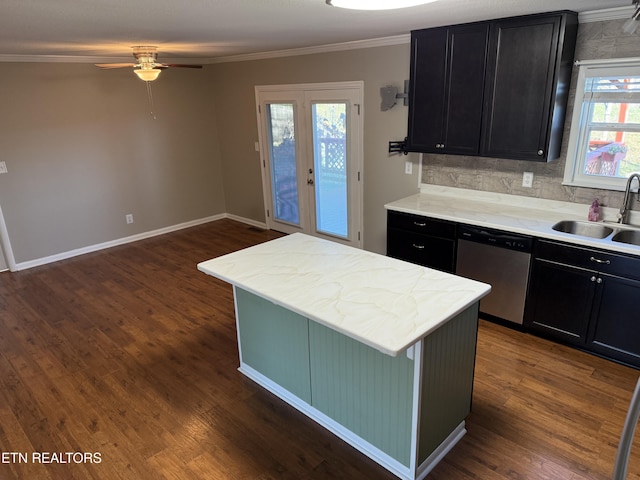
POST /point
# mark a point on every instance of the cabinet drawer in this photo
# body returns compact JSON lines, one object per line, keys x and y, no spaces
{"x":587,"y":258}
{"x":420,"y":224}
{"x":425,"y":250}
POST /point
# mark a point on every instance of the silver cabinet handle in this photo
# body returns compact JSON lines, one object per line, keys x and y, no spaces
{"x":420,"y":224}
{"x":597,"y":280}
{"x":597,"y":260}
{"x":419,"y":247}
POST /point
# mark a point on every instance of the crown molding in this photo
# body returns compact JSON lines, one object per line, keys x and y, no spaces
{"x":333,"y":47}
{"x":617,"y":13}
{"x":91,"y":59}
{"x":63,"y":59}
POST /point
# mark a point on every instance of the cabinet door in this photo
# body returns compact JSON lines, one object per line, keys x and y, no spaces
{"x":520,"y":87}
{"x":447,"y":88}
{"x":427,"y":89}
{"x":615,"y":326}
{"x":465,"y":88}
{"x":559,"y":301}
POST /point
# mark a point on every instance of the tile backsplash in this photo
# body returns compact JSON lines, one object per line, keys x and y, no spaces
{"x":596,"y":40}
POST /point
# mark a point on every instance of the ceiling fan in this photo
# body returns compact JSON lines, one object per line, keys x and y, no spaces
{"x":147,"y":67}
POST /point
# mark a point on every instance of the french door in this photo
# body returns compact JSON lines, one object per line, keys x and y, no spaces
{"x":311,"y":153}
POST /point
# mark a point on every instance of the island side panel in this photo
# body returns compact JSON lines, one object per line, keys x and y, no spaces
{"x":274,"y":342}
{"x":364,"y":390}
{"x":448,"y":362}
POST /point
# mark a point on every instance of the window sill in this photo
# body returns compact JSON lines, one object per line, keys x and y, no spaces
{"x":599,"y":185}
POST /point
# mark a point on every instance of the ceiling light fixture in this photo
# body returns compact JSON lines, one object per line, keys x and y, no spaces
{"x":147,"y":74}
{"x":376,"y":4}
{"x":631,"y":25}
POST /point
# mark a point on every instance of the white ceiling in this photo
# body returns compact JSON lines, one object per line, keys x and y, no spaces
{"x":205,"y":30}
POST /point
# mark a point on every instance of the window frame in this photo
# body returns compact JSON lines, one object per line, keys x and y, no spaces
{"x":579,"y":131}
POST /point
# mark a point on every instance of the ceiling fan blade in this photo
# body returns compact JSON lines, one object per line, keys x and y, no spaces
{"x":115,"y":65}
{"x":181,"y":65}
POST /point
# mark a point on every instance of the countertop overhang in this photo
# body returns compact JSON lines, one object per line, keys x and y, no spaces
{"x":512,"y":213}
{"x":385,"y":303}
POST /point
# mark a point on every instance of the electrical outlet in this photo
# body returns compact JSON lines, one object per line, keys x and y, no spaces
{"x":408,"y":168}
{"x":3,"y":167}
{"x":129,"y":218}
{"x":527,"y":179}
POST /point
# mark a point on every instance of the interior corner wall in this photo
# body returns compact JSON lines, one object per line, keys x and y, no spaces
{"x":83,"y":150}
{"x":383,"y":176}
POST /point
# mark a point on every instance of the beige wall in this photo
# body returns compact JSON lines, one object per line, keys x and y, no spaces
{"x":383,"y":176}
{"x":596,"y":40}
{"x":82,"y":150}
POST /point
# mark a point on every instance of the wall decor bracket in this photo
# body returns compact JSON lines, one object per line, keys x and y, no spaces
{"x":399,"y":147}
{"x":389,"y":95}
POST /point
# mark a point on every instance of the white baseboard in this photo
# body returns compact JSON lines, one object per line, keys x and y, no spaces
{"x":439,"y":453}
{"x":248,"y":221}
{"x":374,"y":453}
{"x":133,"y":238}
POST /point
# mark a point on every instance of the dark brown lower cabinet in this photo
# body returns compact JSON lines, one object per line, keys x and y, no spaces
{"x":587,"y":298}
{"x":421,"y":240}
{"x":559,"y":300}
{"x":615,"y":329}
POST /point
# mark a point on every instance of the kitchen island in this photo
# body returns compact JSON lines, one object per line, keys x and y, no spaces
{"x":379,"y":351}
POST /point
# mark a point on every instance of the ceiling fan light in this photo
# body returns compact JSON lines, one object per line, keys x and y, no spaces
{"x":376,"y":4}
{"x":148,"y":74}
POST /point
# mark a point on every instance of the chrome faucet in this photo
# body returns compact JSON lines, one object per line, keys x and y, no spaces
{"x":624,"y":209}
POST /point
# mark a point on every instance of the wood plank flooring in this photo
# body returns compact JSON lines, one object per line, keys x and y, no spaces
{"x":128,"y":356}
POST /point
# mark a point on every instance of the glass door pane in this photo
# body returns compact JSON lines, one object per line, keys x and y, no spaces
{"x":311,"y":158}
{"x":282,"y":154}
{"x":329,"y":121}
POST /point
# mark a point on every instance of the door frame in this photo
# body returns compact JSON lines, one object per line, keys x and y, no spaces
{"x":357,"y":156}
{"x":5,"y":244}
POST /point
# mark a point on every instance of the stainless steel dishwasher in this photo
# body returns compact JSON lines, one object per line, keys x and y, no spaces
{"x":500,"y":259}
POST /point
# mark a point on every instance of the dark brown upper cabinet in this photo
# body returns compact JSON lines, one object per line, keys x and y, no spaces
{"x":493,"y":89}
{"x":447,"y":88}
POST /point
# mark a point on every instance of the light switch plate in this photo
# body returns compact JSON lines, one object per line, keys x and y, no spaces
{"x":3,"y":167}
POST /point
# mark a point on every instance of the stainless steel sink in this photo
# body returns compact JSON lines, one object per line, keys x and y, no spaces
{"x":627,"y":236}
{"x":585,"y":229}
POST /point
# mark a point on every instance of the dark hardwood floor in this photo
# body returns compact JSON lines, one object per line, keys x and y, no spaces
{"x":128,"y":356}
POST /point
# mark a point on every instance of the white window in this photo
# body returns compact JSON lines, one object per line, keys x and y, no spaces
{"x":604,"y":144}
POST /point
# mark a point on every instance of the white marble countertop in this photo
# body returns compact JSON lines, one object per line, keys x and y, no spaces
{"x":382,"y":302}
{"x":524,"y":215}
